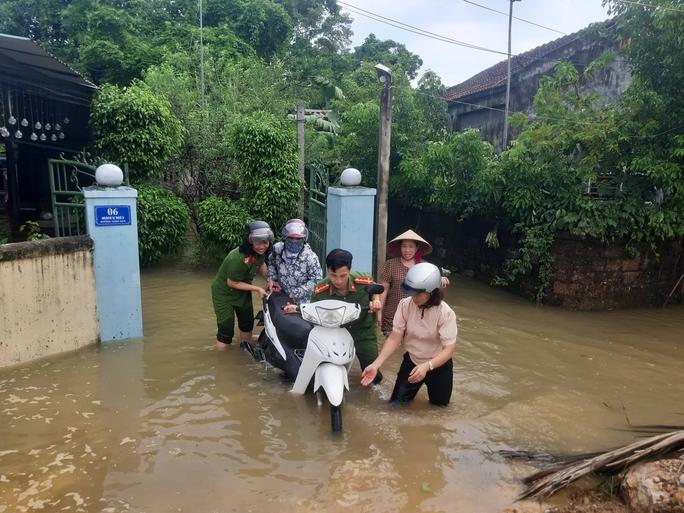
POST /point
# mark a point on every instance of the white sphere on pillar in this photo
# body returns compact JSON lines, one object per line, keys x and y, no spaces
{"x":109,"y":175}
{"x":350,"y":177}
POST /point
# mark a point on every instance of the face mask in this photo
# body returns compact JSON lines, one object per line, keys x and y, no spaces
{"x":294,"y":245}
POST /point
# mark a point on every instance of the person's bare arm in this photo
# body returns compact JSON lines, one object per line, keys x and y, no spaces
{"x":383,"y":298}
{"x":241,"y":285}
{"x":390,"y":345}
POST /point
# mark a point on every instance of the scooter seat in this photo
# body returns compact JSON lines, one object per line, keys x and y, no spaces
{"x":292,"y":330}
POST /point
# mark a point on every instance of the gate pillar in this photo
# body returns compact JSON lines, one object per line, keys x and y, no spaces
{"x":350,"y":216}
{"x":112,"y":223}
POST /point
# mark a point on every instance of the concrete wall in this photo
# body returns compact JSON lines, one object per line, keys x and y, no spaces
{"x":47,"y":298}
{"x":587,"y":274}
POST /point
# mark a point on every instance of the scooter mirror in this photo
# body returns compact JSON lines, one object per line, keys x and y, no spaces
{"x":374,"y":288}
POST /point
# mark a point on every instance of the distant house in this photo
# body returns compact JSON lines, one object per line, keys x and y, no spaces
{"x":44,"y":114}
{"x":479,"y":102}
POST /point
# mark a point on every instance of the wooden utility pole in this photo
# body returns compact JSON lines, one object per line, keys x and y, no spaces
{"x":201,"y":27}
{"x":300,"y":144}
{"x":508,"y":77}
{"x":385,"y":76}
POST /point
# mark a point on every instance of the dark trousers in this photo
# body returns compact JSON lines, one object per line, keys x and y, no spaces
{"x":226,"y":326}
{"x":439,"y":381}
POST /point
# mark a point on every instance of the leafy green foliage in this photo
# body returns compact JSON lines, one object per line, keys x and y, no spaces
{"x":136,"y":126}
{"x":265,"y":151}
{"x":389,"y":53}
{"x":441,"y":176}
{"x":32,"y":231}
{"x":533,"y":255}
{"x":162,"y":223}
{"x":418,"y":116}
{"x":221,"y":225}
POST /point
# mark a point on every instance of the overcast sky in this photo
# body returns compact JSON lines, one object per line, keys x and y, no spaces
{"x":462,"y":21}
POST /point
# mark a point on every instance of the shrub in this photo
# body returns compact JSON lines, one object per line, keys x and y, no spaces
{"x":221,"y":225}
{"x":136,"y":126}
{"x":162,"y":223}
{"x":265,"y":151}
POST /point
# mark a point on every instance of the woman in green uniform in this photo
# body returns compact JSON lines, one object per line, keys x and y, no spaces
{"x":232,"y":288}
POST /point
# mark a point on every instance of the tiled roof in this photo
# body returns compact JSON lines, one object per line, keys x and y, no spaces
{"x":496,"y":75}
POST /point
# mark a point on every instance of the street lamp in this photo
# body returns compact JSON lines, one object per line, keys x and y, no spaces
{"x":385,"y":76}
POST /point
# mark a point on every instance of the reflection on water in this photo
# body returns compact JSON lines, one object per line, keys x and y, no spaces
{"x":170,"y":425}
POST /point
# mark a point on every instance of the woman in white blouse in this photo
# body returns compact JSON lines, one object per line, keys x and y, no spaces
{"x":426,"y":326}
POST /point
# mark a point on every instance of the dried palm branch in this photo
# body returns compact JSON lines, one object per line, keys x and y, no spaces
{"x":547,"y":482}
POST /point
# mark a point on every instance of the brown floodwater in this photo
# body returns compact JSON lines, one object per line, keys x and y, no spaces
{"x":169,"y":425}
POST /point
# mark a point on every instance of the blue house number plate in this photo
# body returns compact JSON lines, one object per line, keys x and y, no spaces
{"x":113,"y":215}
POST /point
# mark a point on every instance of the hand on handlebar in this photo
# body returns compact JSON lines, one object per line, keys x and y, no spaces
{"x":375,"y":305}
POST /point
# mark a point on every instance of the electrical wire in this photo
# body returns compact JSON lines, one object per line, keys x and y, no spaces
{"x":425,"y":33}
{"x":515,"y":17}
{"x":642,"y":4}
{"x":410,"y":28}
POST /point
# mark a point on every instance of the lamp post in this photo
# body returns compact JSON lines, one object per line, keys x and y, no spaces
{"x":385,"y":76}
{"x":508,"y":76}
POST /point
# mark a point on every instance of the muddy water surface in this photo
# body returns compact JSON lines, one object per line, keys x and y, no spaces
{"x":169,"y":425}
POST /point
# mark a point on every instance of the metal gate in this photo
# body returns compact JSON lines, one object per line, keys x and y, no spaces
{"x":318,"y":192}
{"x":67,"y":179}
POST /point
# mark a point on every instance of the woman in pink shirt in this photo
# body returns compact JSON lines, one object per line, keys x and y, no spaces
{"x":426,"y":326}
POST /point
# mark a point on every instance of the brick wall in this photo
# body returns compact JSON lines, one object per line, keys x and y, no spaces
{"x":587,"y":274}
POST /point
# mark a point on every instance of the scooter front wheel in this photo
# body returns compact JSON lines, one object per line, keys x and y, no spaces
{"x":336,"y":418}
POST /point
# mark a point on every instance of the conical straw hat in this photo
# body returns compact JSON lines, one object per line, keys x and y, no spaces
{"x":393,"y":246}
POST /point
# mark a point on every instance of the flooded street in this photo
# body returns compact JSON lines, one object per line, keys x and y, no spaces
{"x":170,"y":425}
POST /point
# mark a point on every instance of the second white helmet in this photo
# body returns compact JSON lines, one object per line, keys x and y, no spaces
{"x":295,"y":228}
{"x":422,"y":277}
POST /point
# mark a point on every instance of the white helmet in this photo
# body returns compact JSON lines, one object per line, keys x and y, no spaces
{"x":422,"y":277}
{"x":296,"y":228}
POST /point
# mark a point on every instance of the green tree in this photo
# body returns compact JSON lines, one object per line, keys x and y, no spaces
{"x":136,"y":126}
{"x":263,"y":24}
{"x":265,"y":151}
{"x":442,"y":175}
{"x":388,"y":52}
{"x":429,"y":100}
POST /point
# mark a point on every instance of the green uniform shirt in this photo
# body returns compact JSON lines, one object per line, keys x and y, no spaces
{"x":364,"y":328}
{"x":237,"y":267}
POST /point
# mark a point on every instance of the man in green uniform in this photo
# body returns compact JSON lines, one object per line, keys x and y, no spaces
{"x":344,"y":284}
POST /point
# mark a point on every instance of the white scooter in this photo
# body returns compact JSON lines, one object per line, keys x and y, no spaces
{"x":315,"y":345}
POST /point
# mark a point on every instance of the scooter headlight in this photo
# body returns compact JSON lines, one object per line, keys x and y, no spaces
{"x":330,"y":317}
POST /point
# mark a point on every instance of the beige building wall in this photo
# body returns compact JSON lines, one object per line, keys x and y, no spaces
{"x":48,"y":301}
